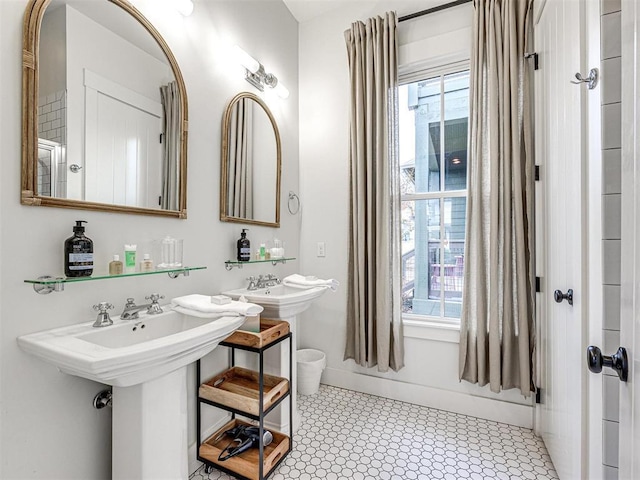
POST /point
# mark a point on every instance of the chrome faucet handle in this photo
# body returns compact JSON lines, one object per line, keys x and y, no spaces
{"x":270,"y":280}
{"x":154,"y":297}
{"x":102,"y":307}
{"x":155,"y":307}
{"x":130,"y":303}
{"x":103,"y":319}
{"x":252,"y":283}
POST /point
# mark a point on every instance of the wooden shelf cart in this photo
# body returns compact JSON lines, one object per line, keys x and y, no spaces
{"x":250,"y":394}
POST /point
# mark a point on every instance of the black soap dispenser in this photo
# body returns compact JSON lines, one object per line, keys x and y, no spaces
{"x":244,"y":247}
{"x":78,"y":253}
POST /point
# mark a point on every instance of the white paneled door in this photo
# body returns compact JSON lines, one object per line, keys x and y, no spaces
{"x":560,"y":224}
{"x":123,"y":153}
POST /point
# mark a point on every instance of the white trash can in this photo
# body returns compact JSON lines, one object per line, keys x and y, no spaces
{"x":311,"y":363}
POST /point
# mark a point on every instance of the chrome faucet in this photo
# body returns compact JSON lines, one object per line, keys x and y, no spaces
{"x":262,"y":281}
{"x":268,"y":280}
{"x":131,"y":310}
{"x":103,"y":320}
{"x":252,"y":283}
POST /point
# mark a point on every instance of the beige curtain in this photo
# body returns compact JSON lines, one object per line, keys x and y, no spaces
{"x":170,"y":97}
{"x":497,"y":330}
{"x":241,"y":159}
{"x":374,"y":327}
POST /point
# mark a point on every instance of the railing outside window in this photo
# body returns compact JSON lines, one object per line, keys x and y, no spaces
{"x":434,"y":116}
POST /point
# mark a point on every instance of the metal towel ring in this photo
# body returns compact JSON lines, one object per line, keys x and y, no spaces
{"x":293,"y":196}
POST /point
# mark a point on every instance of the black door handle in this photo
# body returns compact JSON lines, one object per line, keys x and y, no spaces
{"x":618,"y":361}
{"x":559,"y":296}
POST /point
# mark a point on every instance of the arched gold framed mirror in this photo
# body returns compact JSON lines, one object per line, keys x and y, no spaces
{"x":104,"y":111}
{"x":251,"y":163}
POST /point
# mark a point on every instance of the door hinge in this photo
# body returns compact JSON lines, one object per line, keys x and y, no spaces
{"x":535,"y":57}
{"x":538,"y":395}
{"x":538,"y":280}
{"x":537,"y":173}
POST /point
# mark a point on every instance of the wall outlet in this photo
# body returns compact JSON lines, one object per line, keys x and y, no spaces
{"x":321,"y":250}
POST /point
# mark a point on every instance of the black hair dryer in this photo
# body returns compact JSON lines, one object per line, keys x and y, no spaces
{"x":246,"y":437}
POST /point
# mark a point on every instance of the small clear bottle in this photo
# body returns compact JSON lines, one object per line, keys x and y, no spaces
{"x":115,"y":266}
{"x":146,"y":265}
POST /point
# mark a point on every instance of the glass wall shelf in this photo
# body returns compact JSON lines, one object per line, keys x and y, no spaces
{"x":229,"y":264}
{"x":47,"y":284}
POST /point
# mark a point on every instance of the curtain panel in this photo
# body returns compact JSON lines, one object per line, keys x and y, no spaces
{"x":170,"y":97}
{"x":240,"y":185}
{"x":497,"y":322}
{"x":374,"y":324}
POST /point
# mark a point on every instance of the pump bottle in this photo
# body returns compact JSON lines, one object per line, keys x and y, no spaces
{"x":244,"y":247}
{"x":78,"y":253}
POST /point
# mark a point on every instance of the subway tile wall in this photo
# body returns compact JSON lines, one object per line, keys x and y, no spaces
{"x":52,"y":115}
{"x":611,"y":72}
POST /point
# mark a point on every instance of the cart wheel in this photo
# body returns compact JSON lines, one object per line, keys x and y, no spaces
{"x":208,"y":469}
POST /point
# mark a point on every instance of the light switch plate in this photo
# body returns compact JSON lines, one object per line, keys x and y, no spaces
{"x":321,"y":250}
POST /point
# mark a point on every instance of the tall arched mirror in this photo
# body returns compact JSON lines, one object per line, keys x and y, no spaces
{"x":250,"y":163}
{"x":104,"y":110}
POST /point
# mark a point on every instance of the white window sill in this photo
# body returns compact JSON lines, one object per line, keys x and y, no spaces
{"x":431,"y":330}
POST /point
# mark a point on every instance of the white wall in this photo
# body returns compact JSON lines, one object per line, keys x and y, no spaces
{"x":265,"y":154}
{"x":430,"y":376}
{"x":49,"y":428}
{"x":53,"y":53}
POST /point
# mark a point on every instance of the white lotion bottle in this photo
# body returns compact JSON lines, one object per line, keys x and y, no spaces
{"x":146,"y":265}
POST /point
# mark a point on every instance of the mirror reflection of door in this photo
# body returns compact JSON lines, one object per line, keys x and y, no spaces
{"x":51,"y":169}
{"x":122,"y":145}
{"x":251,"y":163}
{"x":100,"y":81}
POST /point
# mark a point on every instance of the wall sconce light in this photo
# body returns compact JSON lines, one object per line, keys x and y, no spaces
{"x":185,"y":7}
{"x":256,"y":75}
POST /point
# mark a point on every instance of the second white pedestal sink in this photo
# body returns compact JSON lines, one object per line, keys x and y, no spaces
{"x":283,"y":302}
{"x":280,"y":301}
{"x":145,"y":360}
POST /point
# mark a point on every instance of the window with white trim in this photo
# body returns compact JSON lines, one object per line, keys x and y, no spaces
{"x":433,"y":123}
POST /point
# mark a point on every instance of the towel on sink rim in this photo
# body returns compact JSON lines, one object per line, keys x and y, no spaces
{"x":200,"y":306}
{"x":300,"y":281}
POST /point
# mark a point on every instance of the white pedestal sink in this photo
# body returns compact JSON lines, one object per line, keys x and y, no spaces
{"x":285,"y":303}
{"x":145,"y":360}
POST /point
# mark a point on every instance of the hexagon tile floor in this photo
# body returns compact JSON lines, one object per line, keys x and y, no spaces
{"x":350,"y":435}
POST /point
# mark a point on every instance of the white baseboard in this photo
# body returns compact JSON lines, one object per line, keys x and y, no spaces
{"x":465,"y":404}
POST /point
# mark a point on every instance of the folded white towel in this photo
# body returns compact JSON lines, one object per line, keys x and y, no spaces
{"x":201,"y":306}
{"x":301,"y":281}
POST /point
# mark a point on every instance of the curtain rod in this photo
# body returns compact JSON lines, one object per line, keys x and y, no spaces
{"x":433,"y":10}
